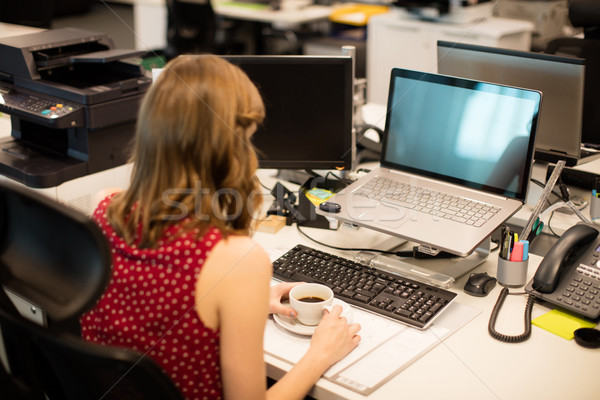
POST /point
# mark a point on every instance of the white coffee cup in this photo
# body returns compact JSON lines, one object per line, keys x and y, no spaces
{"x":309,"y":300}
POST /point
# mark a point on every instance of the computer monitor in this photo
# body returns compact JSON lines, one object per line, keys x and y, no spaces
{"x":308,"y":101}
{"x":560,"y":79}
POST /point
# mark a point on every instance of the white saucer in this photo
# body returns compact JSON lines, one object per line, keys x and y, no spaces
{"x":292,"y":325}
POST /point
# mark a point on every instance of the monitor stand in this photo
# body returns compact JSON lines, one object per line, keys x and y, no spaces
{"x":440,"y":272}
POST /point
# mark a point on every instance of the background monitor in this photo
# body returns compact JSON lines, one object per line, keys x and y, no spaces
{"x":308,"y":102}
{"x":560,"y":79}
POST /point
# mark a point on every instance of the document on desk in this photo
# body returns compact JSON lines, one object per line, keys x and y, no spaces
{"x":386,"y":348}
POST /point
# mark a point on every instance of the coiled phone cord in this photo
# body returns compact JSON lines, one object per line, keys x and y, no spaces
{"x":506,"y":338}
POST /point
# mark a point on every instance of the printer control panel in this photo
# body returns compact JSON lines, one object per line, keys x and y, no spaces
{"x":45,"y":110}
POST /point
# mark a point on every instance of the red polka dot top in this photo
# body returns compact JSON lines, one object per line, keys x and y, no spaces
{"x":149,"y":306}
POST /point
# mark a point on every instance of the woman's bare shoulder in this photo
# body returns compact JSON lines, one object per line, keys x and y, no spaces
{"x":241,"y":250}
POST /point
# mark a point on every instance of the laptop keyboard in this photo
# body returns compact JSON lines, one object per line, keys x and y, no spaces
{"x":428,"y":201}
{"x":404,"y":300}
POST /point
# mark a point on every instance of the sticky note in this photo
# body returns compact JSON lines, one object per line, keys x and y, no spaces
{"x":561,"y":323}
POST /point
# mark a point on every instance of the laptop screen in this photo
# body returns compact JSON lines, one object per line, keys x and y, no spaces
{"x":476,"y":134}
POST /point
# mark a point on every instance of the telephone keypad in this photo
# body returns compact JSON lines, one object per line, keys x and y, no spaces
{"x":582,"y":293}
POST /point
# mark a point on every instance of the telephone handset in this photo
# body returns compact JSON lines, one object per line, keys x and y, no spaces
{"x":569,"y":276}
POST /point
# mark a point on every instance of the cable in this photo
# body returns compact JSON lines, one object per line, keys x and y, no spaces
{"x":263,"y":185}
{"x":332,"y":174}
{"x":527,"y":316}
{"x":550,"y":227}
{"x":540,"y":184}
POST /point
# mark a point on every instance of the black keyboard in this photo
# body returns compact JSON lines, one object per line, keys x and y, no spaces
{"x":405,"y":300}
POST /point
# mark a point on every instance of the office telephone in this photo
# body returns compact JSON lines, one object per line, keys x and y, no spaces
{"x":569,"y":275}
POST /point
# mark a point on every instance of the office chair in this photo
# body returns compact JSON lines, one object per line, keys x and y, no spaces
{"x":54,"y":265}
{"x":54,"y":261}
{"x":193,"y":27}
{"x":585,"y":14}
{"x":50,"y":366}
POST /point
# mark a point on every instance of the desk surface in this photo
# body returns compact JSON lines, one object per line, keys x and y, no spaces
{"x":7,"y":30}
{"x":469,"y":364}
{"x":150,"y":18}
{"x":236,"y":10}
{"x":252,"y":11}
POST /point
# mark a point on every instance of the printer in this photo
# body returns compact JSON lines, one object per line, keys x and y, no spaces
{"x":73,"y":100}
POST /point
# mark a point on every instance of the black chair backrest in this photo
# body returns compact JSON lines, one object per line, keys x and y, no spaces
{"x":68,"y":368}
{"x":57,"y":262}
{"x":586,"y":14}
{"x":191,"y":27}
{"x":55,"y":258}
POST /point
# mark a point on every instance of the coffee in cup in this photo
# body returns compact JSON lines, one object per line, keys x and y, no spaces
{"x":309,"y":300}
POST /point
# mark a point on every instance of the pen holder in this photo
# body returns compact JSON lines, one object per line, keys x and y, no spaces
{"x":595,"y":207}
{"x":512,"y":273}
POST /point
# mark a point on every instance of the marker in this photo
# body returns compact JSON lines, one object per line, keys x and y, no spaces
{"x":517,"y":253}
{"x":525,"y":249}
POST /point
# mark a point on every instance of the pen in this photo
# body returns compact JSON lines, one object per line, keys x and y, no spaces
{"x":504,"y":242}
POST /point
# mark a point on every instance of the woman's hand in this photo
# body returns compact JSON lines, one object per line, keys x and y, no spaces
{"x":280,"y":292}
{"x":334,"y":338}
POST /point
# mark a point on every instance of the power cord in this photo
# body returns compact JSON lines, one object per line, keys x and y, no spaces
{"x":554,"y":192}
{"x":527,"y":317}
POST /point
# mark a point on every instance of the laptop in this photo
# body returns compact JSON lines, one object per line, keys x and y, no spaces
{"x":464,"y":146}
{"x":558,"y":78}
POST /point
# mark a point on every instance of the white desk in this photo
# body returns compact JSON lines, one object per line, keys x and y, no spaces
{"x":150,"y":18}
{"x":469,"y":364}
{"x":7,"y":30}
{"x":292,"y":17}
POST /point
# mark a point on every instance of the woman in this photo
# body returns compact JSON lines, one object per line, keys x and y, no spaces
{"x":189,"y":285}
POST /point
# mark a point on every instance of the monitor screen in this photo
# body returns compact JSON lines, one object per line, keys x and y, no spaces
{"x":558,"y":78}
{"x":308,"y":101}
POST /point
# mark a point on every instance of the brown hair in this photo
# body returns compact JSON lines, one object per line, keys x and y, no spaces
{"x":192,"y":154}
